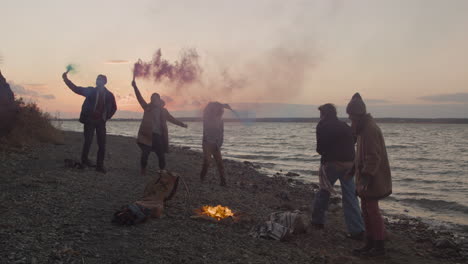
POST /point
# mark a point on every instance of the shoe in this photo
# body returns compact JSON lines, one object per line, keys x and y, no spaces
{"x":101,"y":169}
{"x":318,"y":226}
{"x":88,"y":163}
{"x":367,"y":247}
{"x":356,"y":236}
{"x":223,"y":182}
{"x":377,"y":251}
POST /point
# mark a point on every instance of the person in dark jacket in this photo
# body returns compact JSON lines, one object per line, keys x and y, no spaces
{"x":8,"y":107}
{"x":335,"y":144}
{"x":153,"y":134}
{"x":373,"y":176}
{"x":98,"y":107}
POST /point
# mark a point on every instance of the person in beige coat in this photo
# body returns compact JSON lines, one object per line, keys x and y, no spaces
{"x":153,"y":134}
{"x":372,"y":174}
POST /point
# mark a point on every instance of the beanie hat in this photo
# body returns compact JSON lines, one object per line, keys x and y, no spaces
{"x":356,"y":106}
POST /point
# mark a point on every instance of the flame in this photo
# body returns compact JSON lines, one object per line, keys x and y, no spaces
{"x":219,"y":212}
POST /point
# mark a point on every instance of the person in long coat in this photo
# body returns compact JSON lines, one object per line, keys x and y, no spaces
{"x":153,"y":135}
{"x":372,"y":174}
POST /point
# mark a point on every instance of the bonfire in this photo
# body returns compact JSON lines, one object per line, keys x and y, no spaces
{"x":218,"y":212}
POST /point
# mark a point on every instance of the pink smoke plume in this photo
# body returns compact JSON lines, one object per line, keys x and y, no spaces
{"x":184,"y":71}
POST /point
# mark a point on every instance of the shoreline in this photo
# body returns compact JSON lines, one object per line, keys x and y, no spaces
{"x":388,"y":120}
{"x":51,"y":213}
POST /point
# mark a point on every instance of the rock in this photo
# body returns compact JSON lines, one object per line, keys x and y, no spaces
{"x":334,"y":207}
{"x":292,"y":174}
{"x":248,"y":163}
{"x":283,"y":196}
{"x":314,"y":185}
{"x":335,"y":200}
{"x":445,"y":243}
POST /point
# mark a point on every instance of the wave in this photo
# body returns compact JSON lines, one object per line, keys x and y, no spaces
{"x":434,"y":205}
{"x":396,"y":146}
{"x":432,"y":182}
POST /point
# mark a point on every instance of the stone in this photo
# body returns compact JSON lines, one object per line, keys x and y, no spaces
{"x":445,"y":243}
{"x":292,"y":174}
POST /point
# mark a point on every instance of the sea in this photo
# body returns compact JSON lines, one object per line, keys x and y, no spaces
{"x":429,"y":162}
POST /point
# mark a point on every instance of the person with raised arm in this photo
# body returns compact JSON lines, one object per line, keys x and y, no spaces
{"x":153,"y":135}
{"x":213,"y":137}
{"x":98,"y":107}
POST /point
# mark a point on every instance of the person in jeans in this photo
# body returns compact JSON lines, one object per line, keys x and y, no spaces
{"x":98,"y":107}
{"x":213,"y":136}
{"x":372,"y":171}
{"x":153,"y":134}
{"x":335,"y":144}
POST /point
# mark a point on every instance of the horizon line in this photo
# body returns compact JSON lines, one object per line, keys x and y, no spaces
{"x":442,"y":120}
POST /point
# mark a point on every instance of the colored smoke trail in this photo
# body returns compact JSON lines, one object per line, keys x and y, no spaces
{"x":185,"y":71}
{"x":244,"y":120}
{"x":71,"y":68}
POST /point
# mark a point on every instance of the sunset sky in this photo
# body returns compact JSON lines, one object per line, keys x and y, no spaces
{"x":399,"y":54}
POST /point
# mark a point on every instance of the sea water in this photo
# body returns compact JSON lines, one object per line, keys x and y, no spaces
{"x":429,"y":162}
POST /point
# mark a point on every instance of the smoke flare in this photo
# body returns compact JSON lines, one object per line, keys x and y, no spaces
{"x":71,"y":68}
{"x":184,"y":71}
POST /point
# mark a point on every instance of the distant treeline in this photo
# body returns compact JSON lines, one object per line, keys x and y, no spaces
{"x":315,"y":120}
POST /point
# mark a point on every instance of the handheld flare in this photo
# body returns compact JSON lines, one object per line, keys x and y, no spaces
{"x":71,"y":68}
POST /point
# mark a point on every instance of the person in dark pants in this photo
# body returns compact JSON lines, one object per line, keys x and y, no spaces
{"x":373,"y":176}
{"x":153,"y":132}
{"x":98,"y":107}
{"x":335,"y":144}
{"x":213,"y":137}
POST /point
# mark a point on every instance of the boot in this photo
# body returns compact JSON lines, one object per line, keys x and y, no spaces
{"x":378,"y":250}
{"x":101,"y":169}
{"x":88,"y":163}
{"x":223,"y":182}
{"x":367,"y":247}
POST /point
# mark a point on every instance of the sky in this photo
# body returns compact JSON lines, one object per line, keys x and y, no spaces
{"x":407,"y":58}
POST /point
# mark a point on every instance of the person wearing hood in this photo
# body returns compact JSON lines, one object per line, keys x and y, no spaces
{"x":98,"y":107}
{"x":153,"y":134}
{"x":372,"y":174}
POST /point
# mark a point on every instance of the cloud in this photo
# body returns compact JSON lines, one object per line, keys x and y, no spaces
{"x":376,"y":101}
{"x":125,"y":99}
{"x":117,"y":62}
{"x":22,"y":91}
{"x":453,"y":98}
{"x":35,"y":85}
{"x":167,"y":99}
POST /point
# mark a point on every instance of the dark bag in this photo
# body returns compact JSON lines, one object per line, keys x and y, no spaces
{"x":131,"y":214}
